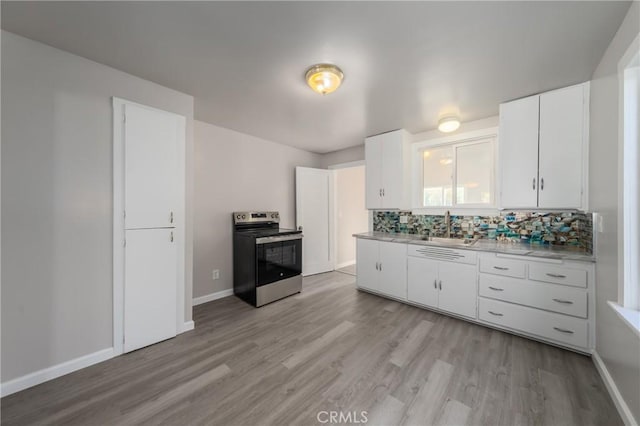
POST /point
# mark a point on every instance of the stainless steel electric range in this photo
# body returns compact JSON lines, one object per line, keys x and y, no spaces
{"x":267,"y":259}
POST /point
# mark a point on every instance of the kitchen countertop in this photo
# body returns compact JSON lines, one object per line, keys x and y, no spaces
{"x":493,"y":246}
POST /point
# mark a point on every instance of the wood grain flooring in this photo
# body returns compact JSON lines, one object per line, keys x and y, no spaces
{"x":330,"y":348}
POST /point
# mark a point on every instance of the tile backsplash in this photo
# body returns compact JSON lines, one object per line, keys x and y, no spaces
{"x":569,"y":229}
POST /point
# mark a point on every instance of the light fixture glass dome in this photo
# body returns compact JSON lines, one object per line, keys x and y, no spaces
{"x":449,"y":124}
{"x":324,"y":78}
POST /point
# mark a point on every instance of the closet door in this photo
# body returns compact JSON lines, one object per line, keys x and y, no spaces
{"x":151,"y":142}
{"x":150,"y":290}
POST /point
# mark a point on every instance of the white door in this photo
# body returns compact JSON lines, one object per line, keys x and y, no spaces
{"x":367,"y":264}
{"x":373,"y":171}
{"x":561,"y":142}
{"x":151,"y":143}
{"x":518,"y":145}
{"x":392,"y":170}
{"x":393,"y":269}
{"x":457,"y":284}
{"x":150,"y":290}
{"x":314,"y":194}
{"x":422,"y":281}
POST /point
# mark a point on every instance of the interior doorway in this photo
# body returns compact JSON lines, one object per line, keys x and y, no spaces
{"x":351,"y":216}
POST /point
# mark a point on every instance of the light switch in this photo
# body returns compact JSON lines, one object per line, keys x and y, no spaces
{"x":600,"y":224}
{"x":404,"y":219}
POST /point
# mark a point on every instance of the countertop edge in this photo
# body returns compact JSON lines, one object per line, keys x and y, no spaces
{"x":544,"y":254}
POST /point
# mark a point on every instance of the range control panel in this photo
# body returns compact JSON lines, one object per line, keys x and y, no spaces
{"x":255,"y":217}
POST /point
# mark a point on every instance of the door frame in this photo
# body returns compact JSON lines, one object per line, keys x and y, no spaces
{"x":334,"y":210}
{"x":118,"y":221}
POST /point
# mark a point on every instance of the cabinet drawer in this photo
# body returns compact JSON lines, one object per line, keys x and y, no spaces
{"x":558,"y":275}
{"x":559,"y":328}
{"x":498,"y":266}
{"x":564,"y":300}
{"x":443,"y":253}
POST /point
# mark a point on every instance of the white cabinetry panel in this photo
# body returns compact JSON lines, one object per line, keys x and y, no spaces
{"x":151,"y":143}
{"x":367,"y":255}
{"x":457,"y":284}
{"x":519,"y":152}
{"x":422,"y":281}
{"x":151,"y":287}
{"x":561,"y":147}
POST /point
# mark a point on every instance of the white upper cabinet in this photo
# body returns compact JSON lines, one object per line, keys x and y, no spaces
{"x":519,"y":152}
{"x":543,"y":142}
{"x":562,"y":121}
{"x":388,"y":170}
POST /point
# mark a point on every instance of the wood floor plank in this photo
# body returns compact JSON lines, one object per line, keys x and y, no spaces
{"x":429,"y":400}
{"x":330,"y":348}
{"x":408,"y":346}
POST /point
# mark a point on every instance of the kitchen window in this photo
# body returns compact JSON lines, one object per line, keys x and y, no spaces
{"x":466,"y":165}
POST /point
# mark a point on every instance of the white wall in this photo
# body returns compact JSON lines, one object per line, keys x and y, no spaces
{"x":616,"y":343}
{"x":57,"y":201}
{"x":355,"y":153}
{"x":237,"y":172}
{"x":352,"y":216}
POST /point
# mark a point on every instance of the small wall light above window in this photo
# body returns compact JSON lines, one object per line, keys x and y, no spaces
{"x":449,"y":123}
{"x":324,"y":78}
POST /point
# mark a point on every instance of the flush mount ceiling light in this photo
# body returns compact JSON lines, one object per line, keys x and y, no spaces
{"x":448,"y":124}
{"x":324,"y":78}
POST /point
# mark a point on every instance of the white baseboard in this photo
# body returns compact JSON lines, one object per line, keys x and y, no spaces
{"x":213,"y":296}
{"x":345,"y":264}
{"x":50,"y":373}
{"x":623,"y":408}
{"x":187,"y":326}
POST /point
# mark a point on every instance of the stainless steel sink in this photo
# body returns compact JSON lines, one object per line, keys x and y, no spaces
{"x":455,"y":242}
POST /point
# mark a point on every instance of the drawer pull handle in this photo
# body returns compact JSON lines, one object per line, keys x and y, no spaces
{"x":496,"y":314}
{"x":556,"y":275}
{"x":566,"y":302}
{"x":435,"y":284}
{"x":496,"y":288}
{"x":500,"y":268}
{"x":563,"y":330}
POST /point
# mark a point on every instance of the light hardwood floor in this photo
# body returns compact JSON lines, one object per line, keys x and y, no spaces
{"x":330,"y":348}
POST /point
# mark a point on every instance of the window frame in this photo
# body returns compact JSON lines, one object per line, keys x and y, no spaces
{"x":455,"y":141}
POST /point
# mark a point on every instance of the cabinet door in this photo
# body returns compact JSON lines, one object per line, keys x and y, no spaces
{"x":393,"y":269}
{"x":373,"y":171}
{"x":457,"y":284}
{"x":151,"y":142}
{"x":561,"y":148}
{"x":422,"y":281}
{"x":392,"y":170}
{"x":518,"y":145}
{"x":367,"y":274}
{"x":150,"y":288}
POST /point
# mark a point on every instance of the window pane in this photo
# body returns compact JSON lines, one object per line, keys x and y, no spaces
{"x":473,"y":174}
{"x":438,"y":176}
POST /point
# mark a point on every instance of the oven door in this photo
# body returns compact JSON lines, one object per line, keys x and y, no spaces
{"x":278,"y":258}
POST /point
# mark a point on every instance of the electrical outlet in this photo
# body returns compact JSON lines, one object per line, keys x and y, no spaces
{"x":216,"y":274}
{"x":600,"y":224}
{"x":404,"y":219}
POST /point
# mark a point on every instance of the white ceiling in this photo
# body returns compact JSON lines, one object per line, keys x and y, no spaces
{"x":405,"y":63}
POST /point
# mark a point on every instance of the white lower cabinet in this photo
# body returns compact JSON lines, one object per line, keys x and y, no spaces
{"x":443,"y":285}
{"x":548,"y":300}
{"x":382,"y":267}
{"x":562,"y":329}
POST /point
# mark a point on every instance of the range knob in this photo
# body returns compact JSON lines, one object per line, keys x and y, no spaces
{"x":273,"y":215}
{"x":244,"y":216}
{"x":237,"y":216}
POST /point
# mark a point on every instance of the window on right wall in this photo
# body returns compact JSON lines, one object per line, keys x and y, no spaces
{"x":467,"y":166}
{"x":631,"y":177}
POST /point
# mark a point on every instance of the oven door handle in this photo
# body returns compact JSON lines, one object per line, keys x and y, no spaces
{"x":277,"y":239}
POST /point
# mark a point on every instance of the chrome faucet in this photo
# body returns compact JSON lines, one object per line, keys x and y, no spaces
{"x":447,"y":222}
